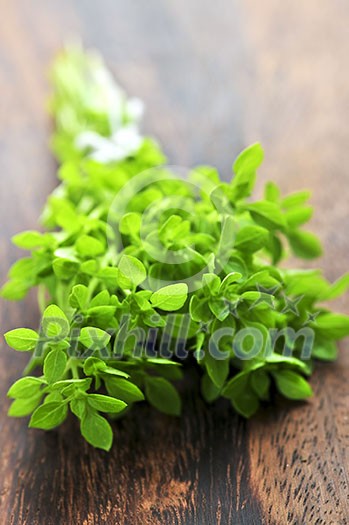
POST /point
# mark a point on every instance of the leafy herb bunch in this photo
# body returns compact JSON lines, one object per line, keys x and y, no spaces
{"x":140,"y":268}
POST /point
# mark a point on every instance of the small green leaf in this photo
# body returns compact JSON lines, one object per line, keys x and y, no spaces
{"x":95,"y":366}
{"x":209,"y":390}
{"x":325,"y":350}
{"x":65,"y":269}
{"x":170,"y":298}
{"x":78,"y":296}
{"x":337,"y":289}
{"x":251,"y":239}
{"x":217,"y":369}
{"x":133,"y":269}
{"x":332,"y":326}
{"x":25,"y":387}
{"x":266,"y":214}
{"x":245,"y":171}
{"x":211,"y":282}
{"x":162,"y":395}
{"x":260,"y":382}
{"x":298,"y":216}
{"x":54,"y":365}
{"x":55,"y":324}
{"x":305,"y":244}
{"x":96,"y":430}
{"x":130,"y":224}
{"x":292,"y":385}
{"x":101,"y":299}
{"x":105,"y":403}
{"x":272,"y":192}
{"x":71,"y":386}
{"x":88,"y":246}
{"x":15,"y":290}
{"x":295,"y":199}
{"x":249,"y":159}
{"x":54,"y":397}
{"x":94,"y":338}
{"x":246,"y":403}
{"x":30,"y":240}
{"x":235,"y":385}
{"x":123,"y":389}
{"x":49,"y":415}
{"x":22,"y":339}
{"x":78,"y":407}
{"x":24,"y":407}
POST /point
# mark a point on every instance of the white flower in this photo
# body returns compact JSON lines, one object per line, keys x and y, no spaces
{"x":120,"y":145}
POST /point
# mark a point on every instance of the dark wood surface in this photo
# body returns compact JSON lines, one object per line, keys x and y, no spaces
{"x":215,"y":76}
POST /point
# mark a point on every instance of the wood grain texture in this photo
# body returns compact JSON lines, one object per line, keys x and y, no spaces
{"x":215,"y":76}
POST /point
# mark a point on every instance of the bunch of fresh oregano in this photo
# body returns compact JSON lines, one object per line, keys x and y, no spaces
{"x":142,"y":265}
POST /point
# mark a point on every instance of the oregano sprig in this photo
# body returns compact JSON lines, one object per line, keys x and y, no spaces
{"x":139,"y":268}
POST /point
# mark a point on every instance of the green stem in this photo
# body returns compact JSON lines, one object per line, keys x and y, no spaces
{"x":42,"y":297}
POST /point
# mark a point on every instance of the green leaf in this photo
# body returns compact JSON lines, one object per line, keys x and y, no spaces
{"x":94,"y":338}
{"x":295,"y":199}
{"x":162,"y":395}
{"x":170,"y":298}
{"x":245,"y":167}
{"x":54,"y":397}
{"x":49,"y":415}
{"x":251,"y":239}
{"x":305,"y":282}
{"x":78,"y":407}
{"x":109,"y":276}
{"x":271,"y":192}
{"x":23,"y":407}
{"x":219,"y":307}
{"x":72,"y":386}
{"x":30,"y":240}
{"x":95,"y":366}
{"x":22,"y":339}
{"x":305,"y":244}
{"x":246,"y":403}
{"x":260,"y":383}
{"x":130,"y":224}
{"x":55,"y":324}
{"x":88,"y":246}
{"x":337,"y":289}
{"x":260,"y":279}
{"x":298,"y":216}
{"x":96,"y":430}
{"x":65,"y":269}
{"x":243,"y":399}
{"x":209,"y":390}
{"x":133,"y":269}
{"x":284,"y":360}
{"x":292,"y":385}
{"x":235,"y":385}
{"x":325,"y":350}
{"x":25,"y":387}
{"x":123,"y":389}
{"x":78,"y":296}
{"x":217,"y":369}
{"x":54,"y":365}
{"x":266,"y":214}
{"x":332,"y":326}
{"x":105,"y":403}
{"x":211,"y":282}
{"x":199,"y":310}
{"x":230,"y":279}
{"x":15,"y":290}
{"x":249,"y":159}
{"x":101,"y":299}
